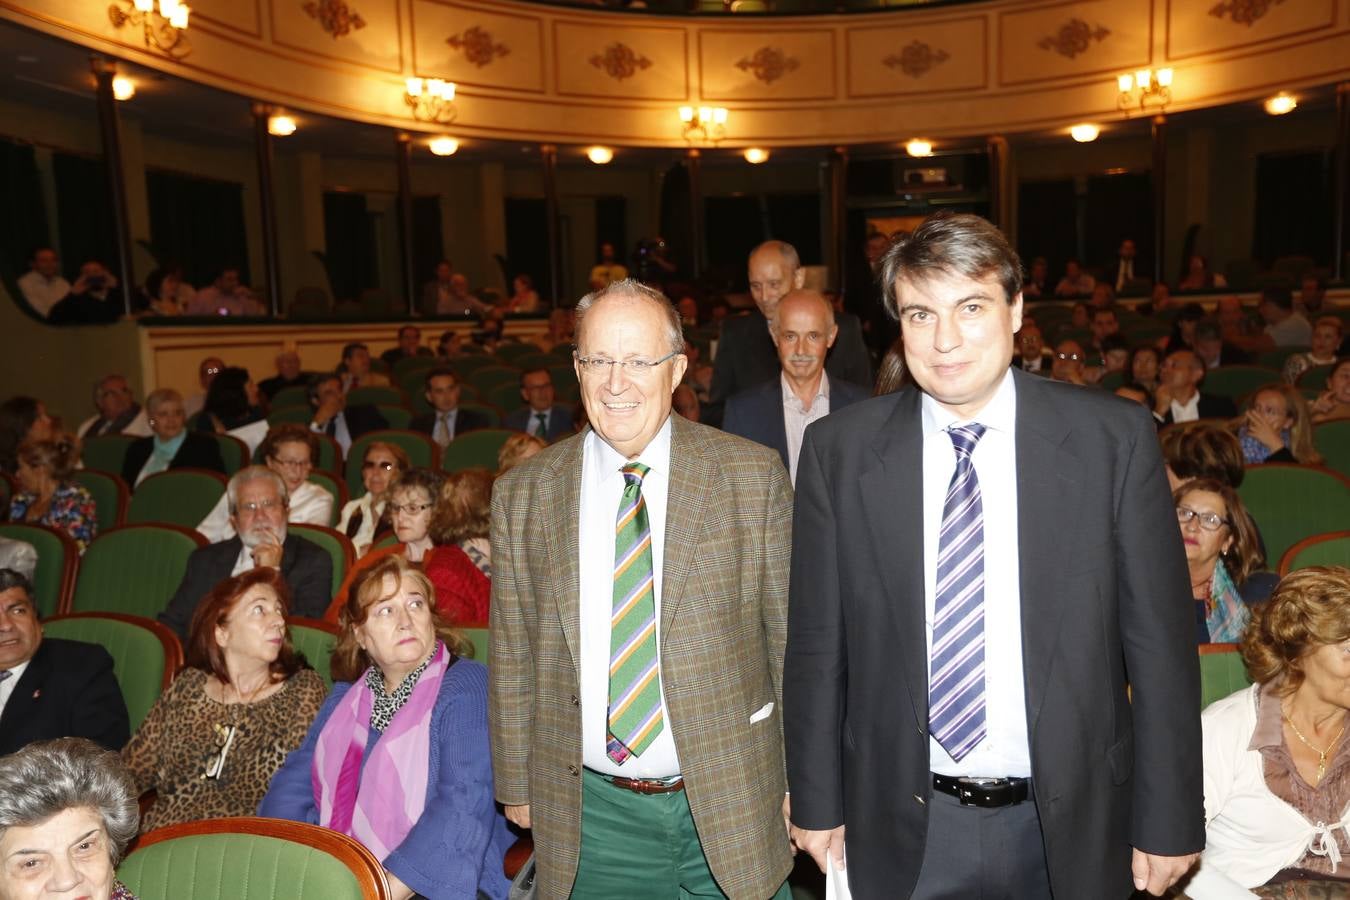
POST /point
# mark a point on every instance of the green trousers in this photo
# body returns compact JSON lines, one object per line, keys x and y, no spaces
{"x":641,"y":845}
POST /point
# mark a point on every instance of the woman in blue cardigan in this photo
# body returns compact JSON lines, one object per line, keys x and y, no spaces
{"x":398,"y":756}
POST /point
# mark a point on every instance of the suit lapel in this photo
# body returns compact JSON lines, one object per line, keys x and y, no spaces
{"x":892,"y":496}
{"x":560,"y":501}
{"x":779,"y":426}
{"x":692,"y":482}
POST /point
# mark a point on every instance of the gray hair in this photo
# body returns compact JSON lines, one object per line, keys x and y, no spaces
{"x":253,"y":473}
{"x":949,"y":243}
{"x":159,"y":397}
{"x":46,"y":778}
{"x":629,"y":287}
{"x":12,"y":578}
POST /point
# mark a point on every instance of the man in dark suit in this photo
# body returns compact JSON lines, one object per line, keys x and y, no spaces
{"x":446,"y":421}
{"x":51,"y":688}
{"x":540,"y":416}
{"x":776,"y":413}
{"x":1020,"y":768}
{"x":1178,"y":398}
{"x":332,"y":415}
{"x":289,"y":374}
{"x":745,"y":352}
{"x":258,"y":504}
{"x":409,"y":345}
{"x":1032,"y":354}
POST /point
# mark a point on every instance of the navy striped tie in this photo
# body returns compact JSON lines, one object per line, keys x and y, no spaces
{"x":956,"y":676}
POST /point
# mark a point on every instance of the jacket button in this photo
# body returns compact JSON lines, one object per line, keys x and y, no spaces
{"x":919,"y":800}
{"x":573,"y":770}
{"x":575,"y":700}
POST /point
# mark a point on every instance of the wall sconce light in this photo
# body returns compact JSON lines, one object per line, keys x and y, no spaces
{"x":756,"y":155}
{"x":599,"y":155}
{"x":163,"y":29}
{"x":703,"y":124}
{"x":443,"y":145}
{"x":1144,"y":87}
{"x":919,"y":147}
{"x":280,"y":125}
{"x":123,"y":88}
{"x":1280,"y":104}
{"x":431,"y":99}
{"x":1085,"y":133}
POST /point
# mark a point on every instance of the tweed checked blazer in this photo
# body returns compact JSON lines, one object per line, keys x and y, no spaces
{"x":722,"y":632}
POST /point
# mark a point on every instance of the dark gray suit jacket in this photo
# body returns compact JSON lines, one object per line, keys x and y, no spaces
{"x":559,"y":421}
{"x":68,"y":690}
{"x":1104,"y":592}
{"x":757,"y":413}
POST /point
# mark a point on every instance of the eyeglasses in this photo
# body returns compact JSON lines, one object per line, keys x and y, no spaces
{"x":253,"y":508}
{"x":292,"y":463}
{"x":411,"y":509}
{"x":1069,"y":356}
{"x":384,"y":464}
{"x":635,"y":368}
{"x":1208,"y":520}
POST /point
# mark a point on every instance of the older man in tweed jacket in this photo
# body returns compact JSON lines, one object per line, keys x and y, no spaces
{"x":691,"y":797}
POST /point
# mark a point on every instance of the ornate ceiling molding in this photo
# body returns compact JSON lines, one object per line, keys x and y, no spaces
{"x":1074,"y":37}
{"x":478,"y":46}
{"x":1243,"y":12}
{"x":768,"y":64}
{"x":335,"y":17}
{"x":916,"y":59}
{"x":620,"y":61}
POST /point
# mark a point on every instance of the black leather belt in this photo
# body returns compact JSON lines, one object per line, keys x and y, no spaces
{"x":984,"y":792}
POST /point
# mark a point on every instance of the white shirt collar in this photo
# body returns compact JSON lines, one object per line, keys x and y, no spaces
{"x":655,"y":456}
{"x":1000,"y":413}
{"x":790,"y":393}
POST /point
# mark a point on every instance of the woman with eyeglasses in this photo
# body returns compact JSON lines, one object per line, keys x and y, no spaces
{"x":411,"y":507}
{"x":365,"y":517}
{"x":1223,"y":556}
{"x":213,"y":740}
{"x":290,"y":451}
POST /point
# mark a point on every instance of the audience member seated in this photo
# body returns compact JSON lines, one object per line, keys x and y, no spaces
{"x":560,"y":331}
{"x":172,"y":446}
{"x":540,"y":416}
{"x":411,"y":507}
{"x":1076,"y":282}
{"x":450,"y":345}
{"x":1115,"y":355}
{"x":608,"y":270}
{"x":1277,"y":800}
{"x":118,"y":412}
{"x":20,"y":556}
{"x":446,"y":421}
{"x":48,"y":496}
{"x":524,"y":298}
{"x":1234,"y":318}
{"x":160,"y":297}
{"x":257,"y":498}
{"x":332,"y":415}
{"x":1068,"y":365}
{"x":1285,"y":326}
{"x":1178,"y":398}
{"x":1036,"y":284}
{"x":355,"y":369}
{"x":51,"y":687}
{"x":1159,"y":302}
{"x":289,"y":374}
{"x":225,"y":296}
{"x":516,"y":449}
{"x":1032,"y":354}
{"x":207,"y":370}
{"x":1312,"y":295}
{"x":1327,"y":333}
{"x":1143,"y":369}
{"x":42,"y":285}
{"x":21,"y":419}
{"x":1183,"y":327}
{"x":1103,"y":323}
{"x":490,"y":332}
{"x":456,"y":299}
{"x":1103,"y":296}
{"x":365,"y":517}
{"x":437,"y":289}
{"x":1206,"y":450}
{"x":409,"y":345}
{"x":290,"y":451}
{"x":67,"y":813}
{"x":685,"y":402}
{"x":91,"y":299}
{"x":687,"y":307}
{"x":1277,"y":427}
{"x":460,"y":562}
{"x":1213,"y":350}
{"x":398,"y":756}
{"x":1123,"y":269}
{"x":1080,"y":320}
{"x":234,"y":407}
{"x":244,"y":700}
{"x":1198,"y":277}
{"x":1223,"y":556}
{"x":1334,"y":402}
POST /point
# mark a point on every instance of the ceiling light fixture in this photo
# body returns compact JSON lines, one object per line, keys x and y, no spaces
{"x":1280,"y":104}
{"x":443,"y":145}
{"x":919,"y":147}
{"x":756,"y":155}
{"x":1144,"y":87}
{"x":431,"y":99}
{"x":703,"y":124}
{"x":1085,"y":133}
{"x":163,"y":29}
{"x":123,"y":88}
{"x":599,"y":155}
{"x":280,"y":125}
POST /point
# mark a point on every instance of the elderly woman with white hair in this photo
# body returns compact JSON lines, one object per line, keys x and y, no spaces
{"x":67,"y":812}
{"x":172,"y":445}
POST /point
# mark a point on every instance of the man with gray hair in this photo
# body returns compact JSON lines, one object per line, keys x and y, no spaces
{"x":258,"y":507}
{"x":118,"y":411}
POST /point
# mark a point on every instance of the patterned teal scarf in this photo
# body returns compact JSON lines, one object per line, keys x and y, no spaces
{"x":1227,"y":613}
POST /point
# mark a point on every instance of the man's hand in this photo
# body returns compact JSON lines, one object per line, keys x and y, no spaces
{"x":820,"y":843}
{"x":518,"y":815}
{"x":269,"y":553}
{"x":1162,"y":399}
{"x":327,"y":410}
{"x":1156,"y":874}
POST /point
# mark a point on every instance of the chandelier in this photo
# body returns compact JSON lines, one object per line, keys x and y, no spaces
{"x":164,"y":28}
{"x":431,"y":100}
{"x":1144,"y":87}
{"x":703,"y":124}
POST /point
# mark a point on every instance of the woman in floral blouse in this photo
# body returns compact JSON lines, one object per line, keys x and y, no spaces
{"x":47,"y":496}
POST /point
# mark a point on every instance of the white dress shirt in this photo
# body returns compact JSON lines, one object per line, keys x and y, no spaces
{"x":601,"y":492}
{"x":1004,"y":752}
{"x":796,"y":417}
{"x":7,"y":686}
{"x":370,"y":517}
{"x":1188,"y":411}
{"x":534,"y":426}
{"x":41,"y":292}
{"x":310,"y":505}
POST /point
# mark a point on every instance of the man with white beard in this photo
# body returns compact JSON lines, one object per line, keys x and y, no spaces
{"x":258,"y":505}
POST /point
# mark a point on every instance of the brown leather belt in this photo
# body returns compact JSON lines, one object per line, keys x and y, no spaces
{"x":645,"y":785}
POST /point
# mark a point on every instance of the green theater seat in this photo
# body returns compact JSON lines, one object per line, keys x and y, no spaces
{"x":316,"y":639}
{"x":58,"y":561}
{"x":178,"y":496}
{"x":134,"y":569}
{"x":146,"y":655}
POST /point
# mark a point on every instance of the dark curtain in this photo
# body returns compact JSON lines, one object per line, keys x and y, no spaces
{"x":1294,"y":206}
{"x":1118,"y":206}
{"x":82,"y":212}
{"x":1047,"y":223}
{"x":674,"y":219}
{"x":527,"y":241}
{"x":197,"y":223}
{"x":23,"y":227}
{"x":734,"y":228}
{"x":611,"y":224}
{"x":428,"y":243}
{"x":795,"y":218}
{"x":349,"y":234}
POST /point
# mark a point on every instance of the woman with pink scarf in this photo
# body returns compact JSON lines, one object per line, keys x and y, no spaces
{"x":398,"y":756}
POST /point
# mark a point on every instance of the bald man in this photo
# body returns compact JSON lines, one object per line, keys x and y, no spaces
{"x":777,"y":412}
{"x":746,"y":356}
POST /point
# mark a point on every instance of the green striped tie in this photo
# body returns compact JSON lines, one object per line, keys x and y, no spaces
{"x":635,"y":714}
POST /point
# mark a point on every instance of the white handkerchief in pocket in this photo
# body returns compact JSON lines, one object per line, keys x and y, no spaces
{"x":762,"y":713}
{"x":836,"y":881}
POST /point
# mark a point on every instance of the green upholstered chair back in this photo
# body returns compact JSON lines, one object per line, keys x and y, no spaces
{"x":475,"y":449}
{"x":178,"y":496}
{"x":316,"y":639}
{"x":1315,"y":378}
{"x":58,"y":561}
{"x":146,"y":654}
{"x":1330,"y":549}
{"x":1221,"y":672}
{"x":105,"y":452}
{"x":233,"y":451}
{"x":479,"y":638}
{"x":1275,"y":359}
{"x":333,"y":542}
{"x":1290,"y":503}
{"x":329,"y":482}
{"x":380,"y":394}
{"x":291,"y":413}
{"x":134,"y":569}
{"x":414,"y":365}
{"x":421,"y":449}
{"x":295,"y":395}
{"x":1237,"y":382}
{"x":1332,"y":440}
{"x":488,"y":377}
{"x":505,"y":397}
{"x":511,"y":352}
{"x":251,"y":859}
{"x":468,"y":363}
{"x":396,"y":416}
{"x":110,"y":493}
{"x":489,"y":412}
